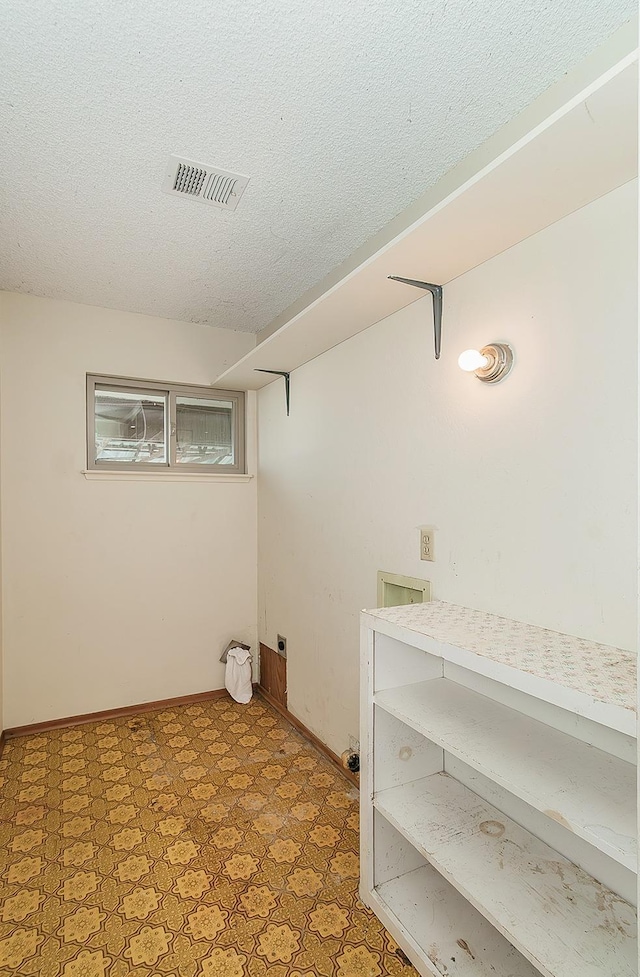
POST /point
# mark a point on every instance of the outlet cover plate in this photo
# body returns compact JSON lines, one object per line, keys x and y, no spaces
{"x":426,"y":543}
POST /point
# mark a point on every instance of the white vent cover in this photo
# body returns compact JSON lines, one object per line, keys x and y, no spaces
{"x":210,"y":184}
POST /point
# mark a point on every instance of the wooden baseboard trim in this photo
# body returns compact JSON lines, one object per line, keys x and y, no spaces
{"x":308,"y":735}
{"x":93,"y":717}
{"x":182,"y":700}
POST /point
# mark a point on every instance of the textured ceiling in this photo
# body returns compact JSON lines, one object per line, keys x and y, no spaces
{"x":342,"y":113}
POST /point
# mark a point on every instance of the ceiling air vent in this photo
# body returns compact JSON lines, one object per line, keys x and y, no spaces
{"x":210,"y":184}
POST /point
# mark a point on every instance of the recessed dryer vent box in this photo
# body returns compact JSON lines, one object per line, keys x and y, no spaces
{"x":394,"y":590}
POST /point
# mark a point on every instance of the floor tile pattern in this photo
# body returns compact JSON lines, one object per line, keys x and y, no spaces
{"x":208,"y":840}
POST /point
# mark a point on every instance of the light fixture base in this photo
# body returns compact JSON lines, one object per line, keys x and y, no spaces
{"x":500,"y":357}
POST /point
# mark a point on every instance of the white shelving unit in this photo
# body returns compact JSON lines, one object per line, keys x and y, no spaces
{"x":498,"y":793}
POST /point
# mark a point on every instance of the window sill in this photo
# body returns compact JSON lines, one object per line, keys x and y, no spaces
{"x":163,"y":476}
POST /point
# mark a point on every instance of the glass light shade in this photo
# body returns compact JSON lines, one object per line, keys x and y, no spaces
{"x":472,"y":359}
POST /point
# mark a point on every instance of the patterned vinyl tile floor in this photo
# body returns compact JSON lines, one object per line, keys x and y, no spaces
{"x":209,"y":839}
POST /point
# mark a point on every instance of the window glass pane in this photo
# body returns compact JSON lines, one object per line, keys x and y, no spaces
{"x":129,"y":426}
{"x":204,"y":431}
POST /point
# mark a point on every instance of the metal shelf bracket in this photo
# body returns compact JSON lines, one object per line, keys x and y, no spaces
{"x":287,"y":382}
{"x":436,"y":291}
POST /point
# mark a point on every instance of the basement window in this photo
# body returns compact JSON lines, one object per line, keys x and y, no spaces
{"x":146,"y":425}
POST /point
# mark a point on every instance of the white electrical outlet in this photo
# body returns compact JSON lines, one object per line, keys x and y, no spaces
{"x":354,"y":744}
{"x":426,"y":543}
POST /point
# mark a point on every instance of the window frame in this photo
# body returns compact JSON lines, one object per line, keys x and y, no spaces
{"x":171,"y":391}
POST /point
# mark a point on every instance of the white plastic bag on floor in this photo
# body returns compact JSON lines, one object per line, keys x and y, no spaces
{"x":237,"y":676}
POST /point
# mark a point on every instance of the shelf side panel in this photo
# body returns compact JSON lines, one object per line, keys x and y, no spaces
{"x":397,"y":663}
{"x":401,"y":755}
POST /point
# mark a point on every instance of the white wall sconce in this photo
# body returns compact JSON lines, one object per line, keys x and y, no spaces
{"x":491,"y":364}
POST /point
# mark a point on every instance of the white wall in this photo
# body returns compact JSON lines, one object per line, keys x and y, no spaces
{"x":2,"y":724}
{"x":114,"y":592}
{"x":531,"y":485}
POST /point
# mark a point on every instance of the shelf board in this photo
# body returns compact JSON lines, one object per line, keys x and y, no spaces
{"x":460,"y":942}
{"x":560,"y":918}
{"x":575,"y":150}
{"x":593,"y":680}
{"x":585,"y":789}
